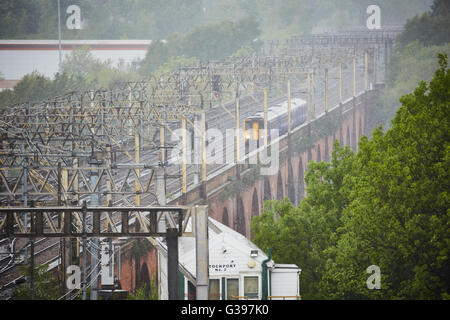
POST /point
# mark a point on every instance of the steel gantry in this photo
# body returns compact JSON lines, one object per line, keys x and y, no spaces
{"x":98,"y":147}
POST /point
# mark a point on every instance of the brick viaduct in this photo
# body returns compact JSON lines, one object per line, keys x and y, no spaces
{"x":314,"y":142}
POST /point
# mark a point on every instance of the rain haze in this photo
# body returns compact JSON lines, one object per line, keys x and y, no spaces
{"x":244,"y":150}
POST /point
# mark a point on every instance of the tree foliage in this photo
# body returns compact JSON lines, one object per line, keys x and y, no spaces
{"x":302,"y":235}
{"x":158,"y":19}
{"x":81,"y":71}
{"x":387,"y":205}
{"x":415,"y":54}
{"x":36,"y":87}
{"x":212,"y":41}
{"x":45,"y":284}
{"x":144,"y":293}
{"x":398,"y":218}
{"x":429,"y":29}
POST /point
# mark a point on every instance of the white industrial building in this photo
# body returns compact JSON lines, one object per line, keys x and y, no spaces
{"x":235,"y":269}
{"x":21,"y":57}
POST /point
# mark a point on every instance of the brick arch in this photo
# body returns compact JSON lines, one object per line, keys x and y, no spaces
{"x":255,"y":204}
{"x":240,"y":219}
{"x":225,"y":218}
{"x":290,"y":179}
{"x":347,"y":142}
{"x":280,"y":194}
{"x":144,"y":279}
{"x":267,"y":190}
{"x":301,"y":181}
{"x":361,"y":131}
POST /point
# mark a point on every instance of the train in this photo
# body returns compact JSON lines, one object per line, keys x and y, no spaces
{"x":277,"y":118}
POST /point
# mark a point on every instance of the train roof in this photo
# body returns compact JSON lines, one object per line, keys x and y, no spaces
{"x":279,"y":109}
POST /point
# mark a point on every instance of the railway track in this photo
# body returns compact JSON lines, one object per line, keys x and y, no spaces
{"x":48,"y":249}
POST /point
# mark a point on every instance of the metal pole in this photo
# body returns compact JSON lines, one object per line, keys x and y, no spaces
{"x":76,"y":198}
{"x":25,"y":191}
{"x":289,"y":105}
{"x":313,"y":95}
{"x":83,"y":284}
{"x":95,"y":201}
{"x":340,"y":83}
{"x":109,"y":200}
{"x":354,"y":77}
{"x":309,"y":97}
{"x":374,"y":61}
{"x":326,"y":90}
{"x":238,"y":129}
{"x":386,"y":63}
{"x":172,"y":263}
{"x":137,"y":156}
{"x":62,"y":244}
{"x":161,"y":175}
{"x":31,"y":268}
{"x":265,"y":117}
{"x":204,"y":173}
{"x":118,"y":264}
{"x":59,"y":37}
{"x":366,"y":71}
{"x":202,"y":252}
{"x":66,"y":242}
{"x":184,"y":158}
{"x":161,"y":172}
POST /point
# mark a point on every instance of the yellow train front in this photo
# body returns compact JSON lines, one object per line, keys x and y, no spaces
{"x":277,"y":118}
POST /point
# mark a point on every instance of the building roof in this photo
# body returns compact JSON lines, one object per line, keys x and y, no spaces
{"x":70,"y":44}
{"x":21,"y":57}
{"x":8,"y":84}
{"x":280,"y":109}
{"x":229,"y":252}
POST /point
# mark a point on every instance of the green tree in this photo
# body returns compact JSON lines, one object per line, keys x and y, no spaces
{"x":429,"y":29}
{"x":36,"y":87}
{"x":157,"y":54}
{"x":213,"y":41}
{"x":388,"y":205}
{"x":32,"y":87}
{"x":45,"y":285}
{"x":399,"y":214}
{"x":302,"y":235}
{"x":158,"y":19}
{"x":173,"y":64}
{"x":410,"y":65}
{"x":144,"y":293}
{"x":18,"y":18}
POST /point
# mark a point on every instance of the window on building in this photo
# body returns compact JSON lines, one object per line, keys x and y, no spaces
{"x":214,"y":289}
{"x":251,"y":287}
{"x":232,"y":289}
